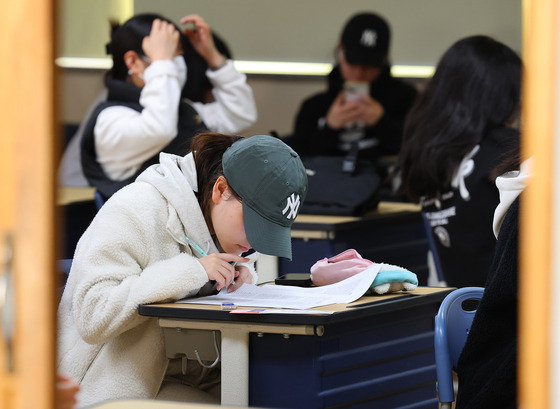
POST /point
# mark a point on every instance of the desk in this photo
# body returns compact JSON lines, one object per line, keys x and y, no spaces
{"x":394,"y":233}
{"x":67,"y":195}
{"x":379,"y":352}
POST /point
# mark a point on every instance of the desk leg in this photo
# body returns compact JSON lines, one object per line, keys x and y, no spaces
{"x":235,"y":367}
{"x":235,"y":350}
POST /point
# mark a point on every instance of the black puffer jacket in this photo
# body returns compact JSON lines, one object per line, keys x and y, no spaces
{"x":122,"y":93}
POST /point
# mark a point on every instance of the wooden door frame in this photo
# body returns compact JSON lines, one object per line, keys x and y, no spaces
{"x":538,"y":213}
{"x":28,"y":153}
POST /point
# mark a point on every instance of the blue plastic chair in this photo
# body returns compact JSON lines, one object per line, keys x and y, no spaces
{"x":98,"y":199}
{"x":63,"y":267}
{"x":432,"y":247}
{"x":453,"y":323}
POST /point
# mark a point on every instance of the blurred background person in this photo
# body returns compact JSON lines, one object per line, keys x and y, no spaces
{"x":363,"y":110}
{"x":459,"y":130}
{"x":214,"y":88}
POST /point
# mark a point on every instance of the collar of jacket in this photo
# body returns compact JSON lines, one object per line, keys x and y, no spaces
{"x":122,"y":91}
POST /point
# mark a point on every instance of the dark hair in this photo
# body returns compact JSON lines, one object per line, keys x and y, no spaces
{"x":510,"y":161}
{"x":476,"y":88}
{"x":129,"y":37}
{"x":208,"y":149}
{"x":198,"y":84}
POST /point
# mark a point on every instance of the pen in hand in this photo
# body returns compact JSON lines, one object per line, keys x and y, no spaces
{"x":233,"y":263}
{"x":196,"y":247}
{"x":213,"y":274}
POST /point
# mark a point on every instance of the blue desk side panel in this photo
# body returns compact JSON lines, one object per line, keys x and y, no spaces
{"x":385,"y":362}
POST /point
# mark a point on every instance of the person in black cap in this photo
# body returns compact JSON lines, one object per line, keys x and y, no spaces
{"x":364,"y":107}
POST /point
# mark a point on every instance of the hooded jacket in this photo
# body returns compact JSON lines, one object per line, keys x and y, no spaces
{"x":460,"y":217}
{"x":134,"y":252}
{"x":487,"y":367}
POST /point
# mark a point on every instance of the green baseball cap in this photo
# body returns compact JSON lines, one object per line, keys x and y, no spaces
{"x":271,"y":180}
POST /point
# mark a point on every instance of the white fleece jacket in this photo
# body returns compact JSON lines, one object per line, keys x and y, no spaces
{"x":134,"y":252}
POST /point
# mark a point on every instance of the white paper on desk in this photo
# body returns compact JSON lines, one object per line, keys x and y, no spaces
{"x":285,"y":296}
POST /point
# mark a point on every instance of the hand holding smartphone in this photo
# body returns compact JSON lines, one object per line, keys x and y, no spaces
{"x":354,"y":89}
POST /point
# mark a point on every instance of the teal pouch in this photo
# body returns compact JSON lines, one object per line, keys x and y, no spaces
{"x":391,"y":279}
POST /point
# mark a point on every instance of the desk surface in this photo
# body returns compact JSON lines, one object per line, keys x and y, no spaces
{"x":383,"y":208}
{"x":68,"y":195}
{"x":385,"y":212}
{"x":366,"y":306}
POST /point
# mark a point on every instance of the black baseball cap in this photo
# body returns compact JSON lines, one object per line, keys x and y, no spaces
{"x":365,"y":39}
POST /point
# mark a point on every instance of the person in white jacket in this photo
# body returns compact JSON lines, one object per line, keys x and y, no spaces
{"x":169,"y":235}
{"x":226,"y":104}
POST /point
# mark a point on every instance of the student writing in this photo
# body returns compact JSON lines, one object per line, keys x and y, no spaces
{"x":229,"y":195}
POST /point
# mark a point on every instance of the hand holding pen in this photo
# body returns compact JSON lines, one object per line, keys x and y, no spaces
{"x":219,"y":268}
{"x":222,"y":268}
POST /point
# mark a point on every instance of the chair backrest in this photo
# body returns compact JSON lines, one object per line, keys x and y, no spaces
{"x":432,"y":247}
{"x":63,"y":267}
{"x":453,"y":323}
{"x":98,"y":199}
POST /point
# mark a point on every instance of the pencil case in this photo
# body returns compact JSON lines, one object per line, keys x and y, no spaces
{"x":390,"y":278}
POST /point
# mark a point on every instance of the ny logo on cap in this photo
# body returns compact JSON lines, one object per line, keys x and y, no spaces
{"x":292,"y":204}
{"x":369,"y":38}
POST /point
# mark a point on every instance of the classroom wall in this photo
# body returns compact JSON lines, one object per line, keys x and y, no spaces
{"x":287,"y":30}
{"x":307,"y":30}
{"x":302,"y":30}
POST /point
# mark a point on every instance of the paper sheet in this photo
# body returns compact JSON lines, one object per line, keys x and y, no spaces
{"x":279,"y":311}
{"x":283,"y":296}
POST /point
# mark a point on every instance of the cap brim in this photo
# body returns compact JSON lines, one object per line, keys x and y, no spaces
{"x":364,"y":58}
{"x":265,"y":236}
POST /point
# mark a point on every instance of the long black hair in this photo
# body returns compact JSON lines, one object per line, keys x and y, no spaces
{"x":198,"y":84}
{"x":476,"y":87}
{"x":129,"y":37}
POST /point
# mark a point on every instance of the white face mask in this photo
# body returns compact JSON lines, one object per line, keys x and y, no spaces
{"x":140,"y":75}
{"x":149,"y":61}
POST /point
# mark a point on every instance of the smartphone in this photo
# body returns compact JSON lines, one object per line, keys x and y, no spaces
{"x":296,"y":279}
{"x":354,"y":89}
